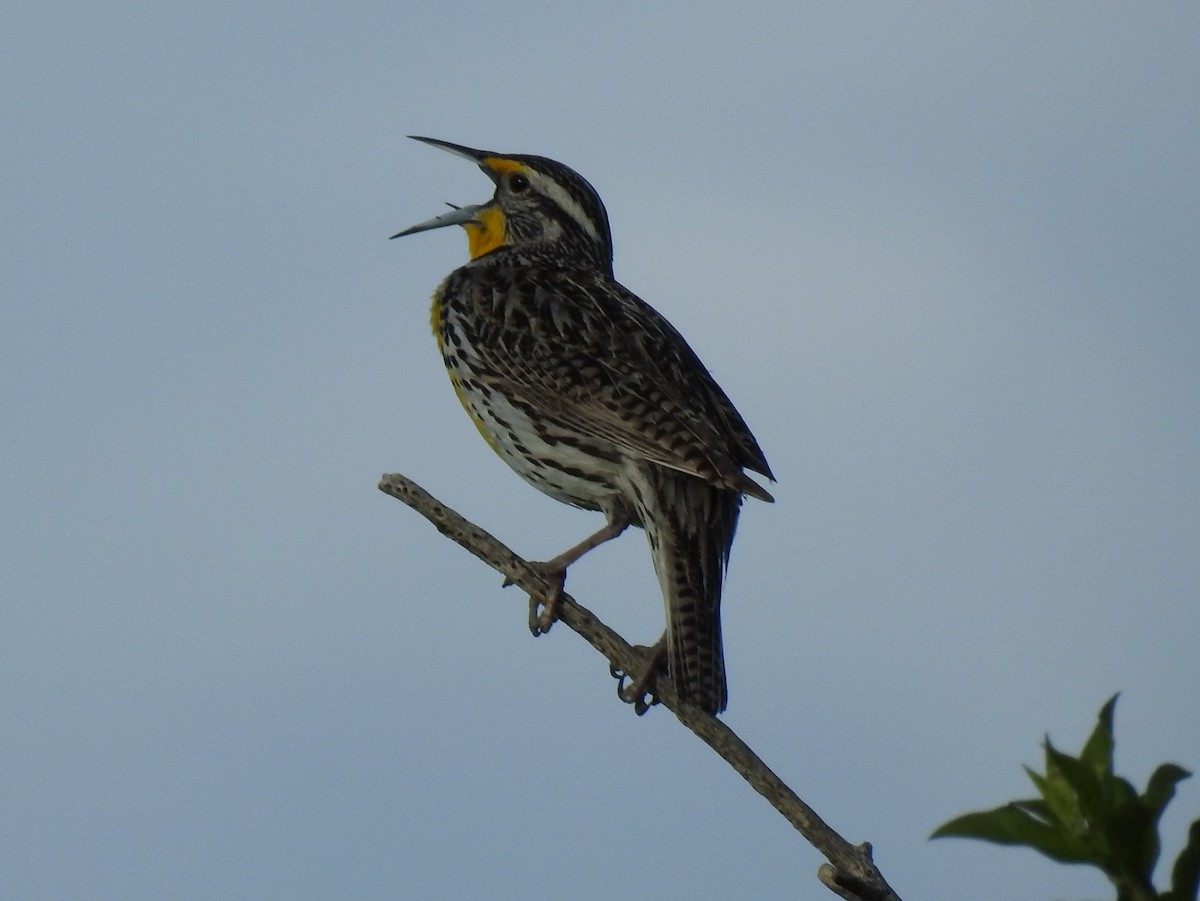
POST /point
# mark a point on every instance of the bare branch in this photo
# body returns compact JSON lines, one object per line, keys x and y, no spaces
{"x":850,"y":873}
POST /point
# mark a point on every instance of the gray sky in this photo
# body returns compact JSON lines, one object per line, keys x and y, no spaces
{"x":943,"y":258}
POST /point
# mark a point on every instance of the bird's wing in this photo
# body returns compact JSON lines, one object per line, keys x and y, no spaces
{"x":596,"y":359}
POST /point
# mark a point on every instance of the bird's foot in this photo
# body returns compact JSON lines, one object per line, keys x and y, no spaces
{"x":543,"y":608}
{"x":543,"y":611}
{"x":639,"y":690}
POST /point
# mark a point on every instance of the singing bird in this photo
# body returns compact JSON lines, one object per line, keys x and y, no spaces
{"x":595,"y":399}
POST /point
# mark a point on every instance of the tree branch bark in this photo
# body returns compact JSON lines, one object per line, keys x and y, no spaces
{"x":850,"y":872}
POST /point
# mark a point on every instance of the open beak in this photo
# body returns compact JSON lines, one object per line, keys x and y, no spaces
{"x":460,"y":215}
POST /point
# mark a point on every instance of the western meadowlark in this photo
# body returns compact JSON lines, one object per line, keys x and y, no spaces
{"x":595,"y":399}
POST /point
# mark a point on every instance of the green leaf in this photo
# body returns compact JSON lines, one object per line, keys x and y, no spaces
{"x":1132,"y":841}
{"x":1161,"y":787}
{"x":1011,"y":825}
{"x":1122,"y":791}
{"x":1057,"y":792}
{"x":1038,"y":780}
{"x":1077,"y":796}
{"x":1098,"y":750}
{"x":1132,"y":832}
{"x":1185,"y":877}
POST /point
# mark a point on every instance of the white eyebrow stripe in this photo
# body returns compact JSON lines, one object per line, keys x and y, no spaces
{"x":556,"y":192}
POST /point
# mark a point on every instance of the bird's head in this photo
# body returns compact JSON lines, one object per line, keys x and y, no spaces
{"x":538,"y":203}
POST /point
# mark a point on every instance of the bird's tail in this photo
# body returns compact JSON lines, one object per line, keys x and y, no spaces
{"x":690,"y":524}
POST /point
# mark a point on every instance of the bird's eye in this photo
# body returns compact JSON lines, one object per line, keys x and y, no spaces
{"x":518,"y":183}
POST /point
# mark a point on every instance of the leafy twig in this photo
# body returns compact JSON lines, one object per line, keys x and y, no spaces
{"x":1088,"y":814}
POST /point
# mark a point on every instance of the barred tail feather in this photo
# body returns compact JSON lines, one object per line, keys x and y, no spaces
{"x":690,"y":524}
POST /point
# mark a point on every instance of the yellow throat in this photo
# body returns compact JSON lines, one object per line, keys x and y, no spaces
{"x":486,"y":233}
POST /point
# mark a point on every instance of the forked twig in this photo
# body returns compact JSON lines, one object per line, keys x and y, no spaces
{"x":850,"y":872}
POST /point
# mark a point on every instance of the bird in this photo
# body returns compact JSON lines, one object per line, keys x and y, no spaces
{"x":594,"y":398}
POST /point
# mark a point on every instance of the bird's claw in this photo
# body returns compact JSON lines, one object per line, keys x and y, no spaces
{"x":636,"y":692}
{"x":639,"y":690}
{"x":543,"y":610}
{"x":540,"y":617}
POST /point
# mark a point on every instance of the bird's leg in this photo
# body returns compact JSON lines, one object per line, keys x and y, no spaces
{"x":640,"y":691}
{"x":543,"y":611}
